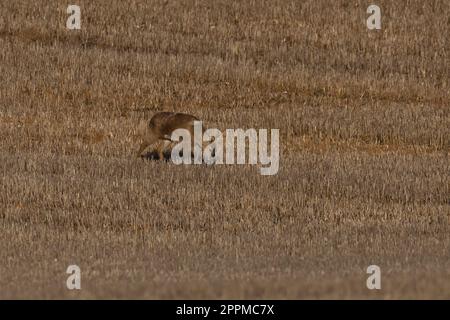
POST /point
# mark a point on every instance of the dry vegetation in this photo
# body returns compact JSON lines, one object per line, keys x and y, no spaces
{"x":365,"y":132}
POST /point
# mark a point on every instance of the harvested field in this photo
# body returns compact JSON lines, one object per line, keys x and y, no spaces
{"x":364,"y":119}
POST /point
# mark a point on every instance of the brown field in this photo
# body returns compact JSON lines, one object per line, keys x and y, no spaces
{"x":364,"y":119}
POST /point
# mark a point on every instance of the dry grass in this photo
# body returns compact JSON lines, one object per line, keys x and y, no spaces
{"x":365,"y":133}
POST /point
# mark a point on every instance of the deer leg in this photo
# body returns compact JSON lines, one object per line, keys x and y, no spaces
{"x":166,"y":144}
{"x":160,"y":150}
{"x":162,"y":147}
{"x":145,"y":143}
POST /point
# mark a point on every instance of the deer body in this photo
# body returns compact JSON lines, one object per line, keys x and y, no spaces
{"x":161,"y":126}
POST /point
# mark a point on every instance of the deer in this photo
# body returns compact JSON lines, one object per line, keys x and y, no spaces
{"x":160,"y":128}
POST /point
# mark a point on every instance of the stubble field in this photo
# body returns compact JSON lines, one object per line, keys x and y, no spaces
{"x":364,"y":119}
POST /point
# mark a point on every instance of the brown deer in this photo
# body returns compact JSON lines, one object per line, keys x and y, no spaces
{"x":160,"y":128}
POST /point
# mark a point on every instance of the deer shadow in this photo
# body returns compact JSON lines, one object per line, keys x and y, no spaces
{"x":167,"y":155}
{"x":154,"y":156}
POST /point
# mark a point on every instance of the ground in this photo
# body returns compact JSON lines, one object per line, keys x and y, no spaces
{"x":364,"y":119}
